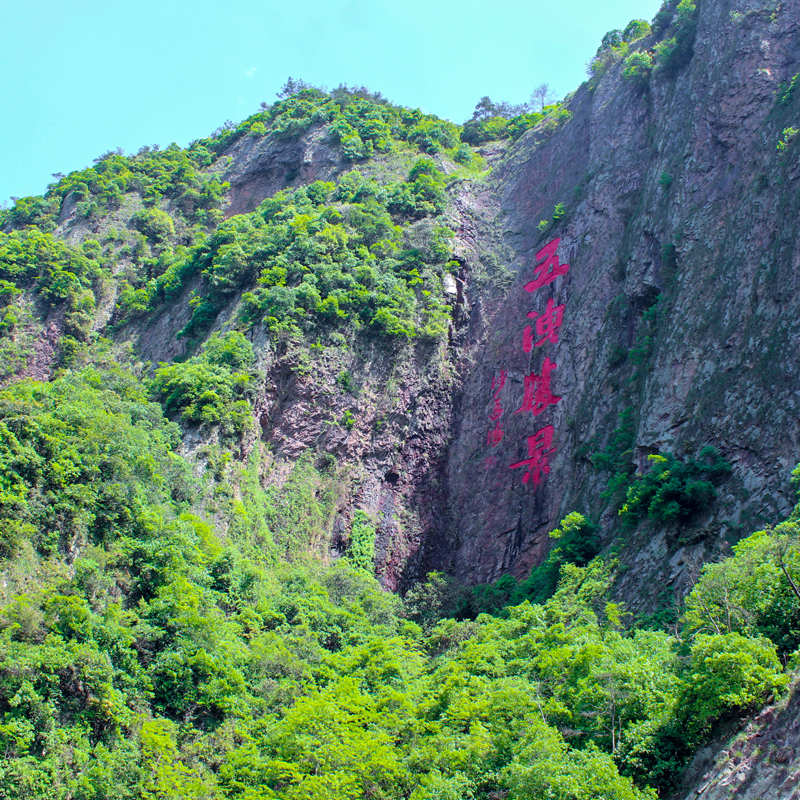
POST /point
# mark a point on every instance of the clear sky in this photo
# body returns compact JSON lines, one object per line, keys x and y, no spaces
{"x":83,"y":77}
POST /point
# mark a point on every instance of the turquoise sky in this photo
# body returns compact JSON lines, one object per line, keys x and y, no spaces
{"x":80,"y":78}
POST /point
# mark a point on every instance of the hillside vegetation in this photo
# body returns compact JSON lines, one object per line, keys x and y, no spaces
{"x":142,"y":654}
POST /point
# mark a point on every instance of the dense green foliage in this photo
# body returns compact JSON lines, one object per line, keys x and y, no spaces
{"x":671,"y":489}
{"x":211,"y":387}
{"x":163,"y":662}
{"x":361,"y":552}
{"x":363,"y":122}
{"x":615,"y":45}
{"x":755,"y":593}
{"x":355,"y":255}
{"x":85,"y":458}
{"x":173,"y":174}
{"x":637,"y":66}
{"x":143,"y":654}
{"x":495,"y":121}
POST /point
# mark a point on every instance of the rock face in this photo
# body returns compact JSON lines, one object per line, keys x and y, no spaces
{"x":676,"y":213}
{"x":260,"y":167}
{"x":673,"y":193}
{"x":635,"y":262}
{"x":760,"y":763}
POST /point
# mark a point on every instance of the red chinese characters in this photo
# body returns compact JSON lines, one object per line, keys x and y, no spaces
{"x":496,"y":434}
{"x":547,"y":325}
{"x":550,"y":268}
{"x":539,"y":448}
{"x":537,"y":395}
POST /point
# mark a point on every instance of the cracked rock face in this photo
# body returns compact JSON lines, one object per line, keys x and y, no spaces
{"x":760,"y":762}
{"x":259,"y":167}
{"x":676,"y":195}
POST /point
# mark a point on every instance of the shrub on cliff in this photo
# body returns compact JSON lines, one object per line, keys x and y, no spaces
{"x":210,"y":388}
{"x":83,"y":459}
{"x":171,"y":173}
{"x":637,"y":66}
{"x":675,"y":53}
{"x":155,"y":224}
{"x":326,"y":263}
{"x":728,"y":673}
{"x":755,"y":593}
{"x":57,"y":271}
{"x":612,"y":48}
{"x":671,"y":489}
{"x":636,"y":29}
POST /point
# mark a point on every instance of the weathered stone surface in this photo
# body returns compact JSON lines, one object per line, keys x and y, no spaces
{"x":724,"y":362}
{"x":760,"y":762}
{"x":261,"y":166}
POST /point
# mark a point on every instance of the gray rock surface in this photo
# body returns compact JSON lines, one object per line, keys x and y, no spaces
{"x":724,"y":363}
{"x":761,"y":762}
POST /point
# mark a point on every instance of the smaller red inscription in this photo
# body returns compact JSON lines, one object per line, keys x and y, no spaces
{"x":546,"y":326}
{"x":496,"y":434}
{"x":490,"y":461}
{"x":539,"y":448}
{"x":536,"y":395}
{"x":546,"y":272}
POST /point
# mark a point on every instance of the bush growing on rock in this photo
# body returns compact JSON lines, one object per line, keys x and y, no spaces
{"x":154,"y":223}
{"x":673,"y":489}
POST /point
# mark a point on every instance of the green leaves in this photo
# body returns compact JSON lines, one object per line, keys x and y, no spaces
{"x":79,"y":461}
{"x":675,"y":53}
{"x":637,"y":66}
{"x":155,"y":224}
{"x":333,"y":266}
{"x":754,"y":593}
{"x":673,"y":489}
{"x":729,"y":672}
{"x":206,"y":389}
{"x":32,"y":258}
{"x":362,"y":542}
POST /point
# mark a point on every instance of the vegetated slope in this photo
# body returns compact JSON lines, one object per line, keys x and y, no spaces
{"x":146,"y":654}
{"x":347,"y":290}
{"x":370,"y":259}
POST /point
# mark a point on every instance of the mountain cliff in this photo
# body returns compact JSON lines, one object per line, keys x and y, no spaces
{"x":679,"y":208}
{"x":548,"y":355}
{"x":670,"y":193}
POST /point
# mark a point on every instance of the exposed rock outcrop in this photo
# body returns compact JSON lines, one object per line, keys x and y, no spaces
{"x":761,"y":762}
{"x":677,"y":193}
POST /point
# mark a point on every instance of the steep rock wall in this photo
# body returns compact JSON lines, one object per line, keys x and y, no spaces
{"x":724,"y":359}
{"x":677,"y":215}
